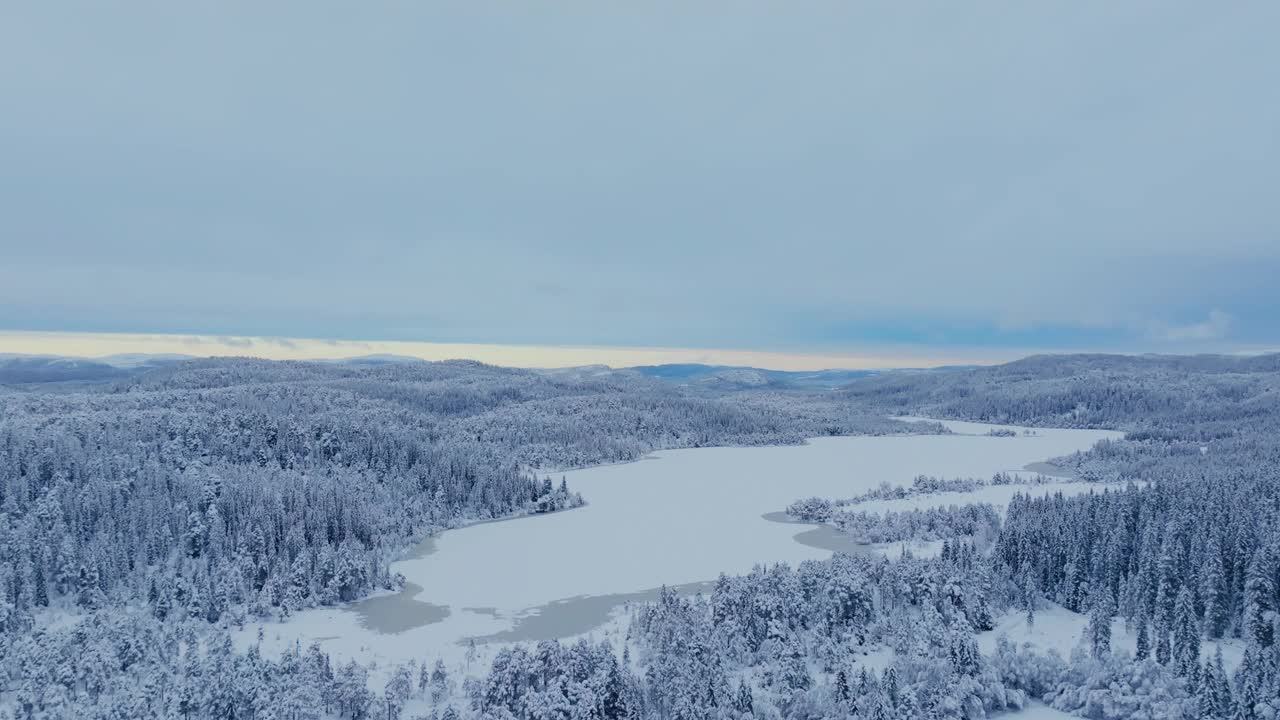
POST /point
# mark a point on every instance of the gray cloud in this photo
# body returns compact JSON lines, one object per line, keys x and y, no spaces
{"x":235,"y":342}
{"x":745,"y":174}
{"x":1214,"y":327}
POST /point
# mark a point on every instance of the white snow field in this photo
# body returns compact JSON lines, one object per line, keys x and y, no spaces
{"x":1057,"y":628}
{"x":674,"y":518}
{"x":1036,"y":711}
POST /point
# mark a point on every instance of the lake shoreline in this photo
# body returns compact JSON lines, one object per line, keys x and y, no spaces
{"x":679,"y":523}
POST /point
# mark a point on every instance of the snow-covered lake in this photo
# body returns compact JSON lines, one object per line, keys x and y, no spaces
{"x":678,"y":517}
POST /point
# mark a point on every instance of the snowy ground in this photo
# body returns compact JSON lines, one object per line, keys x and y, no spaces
{"x":1036,"y":711}
{"x":678,"y":517}
{"x":1057,"y":628}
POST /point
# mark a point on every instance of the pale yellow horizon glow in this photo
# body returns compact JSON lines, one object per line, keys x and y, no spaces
{"x":97,"y":345}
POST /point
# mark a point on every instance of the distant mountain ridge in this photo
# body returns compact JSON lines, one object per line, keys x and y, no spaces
{"x":727,"y":377}
{"x":20,"y":369}
{"x":17,"y":369}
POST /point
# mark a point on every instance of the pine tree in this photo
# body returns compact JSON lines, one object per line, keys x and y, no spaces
{"x":88,"y":594}
{"x":1163,"y":651}
{"x":980,"y":615}
{"x":41,"y":590}
{"x":890,"y":685}
{"x":1205,"y":709}
{"x":1163,"y":624}
{"x":743,"y":702}
{"x":1213,"y":696}
{"x":1101,"y":609}
{"x":614,"y":702}
{"x":1213,"y":591}
{"x":1167,"y":575}
{"x":439,"y":681}
{"x":880,"y":709}
{"x":397,"y":692}
{"x":1258,"y":593}
{"x":1246,"y":695}
{"x":909,"y":704}
{"x":471,"y":652}
{"x":794,"y":670}
{"x":190,"y":686}
{"x":1186,"y":635}
{"x":1222,"y":700}
{"x":424,"y":678}
{"x":842,"y":687}
{"x":1029,"y":594}
{"x":1066,"y":595}
{"x":867,"y":684}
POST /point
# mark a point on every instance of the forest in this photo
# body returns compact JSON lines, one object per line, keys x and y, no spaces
{"x":141,"y":517}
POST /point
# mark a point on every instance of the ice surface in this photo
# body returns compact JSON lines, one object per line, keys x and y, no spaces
{"x":674,"y":518}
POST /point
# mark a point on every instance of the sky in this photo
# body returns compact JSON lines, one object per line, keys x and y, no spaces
{"x":853,"y":181}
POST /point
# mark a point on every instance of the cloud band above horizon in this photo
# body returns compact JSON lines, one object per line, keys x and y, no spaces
{"x":793,"y":177}
{"x":99,"y":345}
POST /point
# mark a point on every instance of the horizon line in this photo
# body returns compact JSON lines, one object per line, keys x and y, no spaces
{"x":92,"y":345}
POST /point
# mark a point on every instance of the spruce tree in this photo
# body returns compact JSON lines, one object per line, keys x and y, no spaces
{"x":1102,"y":608}
{"x":1167,"y":576}
{"x":1186,"y":635}
{"x":1029,"y":597}
{"x":743,"y":702}
{"x":1258,"y":593}
{"x":1205,"y":707}
{"x":1213,"y":696}
{"x":1163,"y":651}
{"x":909,"y":704}
{"x":1222,"y":700}
{"x":1213,"y":592}
{"x":890,"y":685}
{"x":842,"y":687}
{"x":439,"y":681}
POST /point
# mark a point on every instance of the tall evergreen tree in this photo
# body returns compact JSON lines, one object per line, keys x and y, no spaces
{"x":1102,"y":608}
{"x":1164,"y":651}
{"x":1213,"y":591}
{"x":1029,"y":595}
{"x":1259,"y":591}
{"x":1186,"y":635}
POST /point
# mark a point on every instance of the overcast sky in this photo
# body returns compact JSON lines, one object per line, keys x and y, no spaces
{"x":806,"y":177}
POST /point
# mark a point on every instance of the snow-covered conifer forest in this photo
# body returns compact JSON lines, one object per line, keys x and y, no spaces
{"x":146,"y":517}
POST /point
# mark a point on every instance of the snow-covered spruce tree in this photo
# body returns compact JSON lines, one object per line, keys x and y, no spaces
{"x":1186,"y":635}
{"x":1213,"y":591}
{"x":1214,"y":701}
{"x":1259,"y":599}
{"x":1098,"y":631}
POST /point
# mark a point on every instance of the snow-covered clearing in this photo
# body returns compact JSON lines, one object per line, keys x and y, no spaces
{"x":677,"y":517}
{"x":1059,"y":629}
{"x":1036,"y":711}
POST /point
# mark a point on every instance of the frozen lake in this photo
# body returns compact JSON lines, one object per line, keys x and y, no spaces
{"x":678,"y":517}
